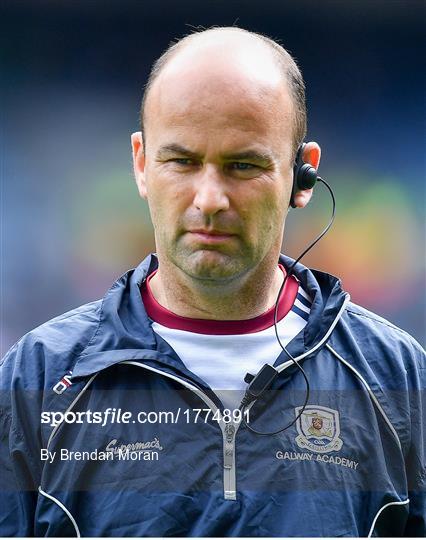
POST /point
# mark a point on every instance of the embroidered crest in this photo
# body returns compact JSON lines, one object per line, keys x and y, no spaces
{"x":318,"y":429}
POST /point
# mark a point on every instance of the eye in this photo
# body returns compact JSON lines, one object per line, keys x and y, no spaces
{"x":182,"y":161}
{"x":241,"y":166}
{"x":243,"y":170}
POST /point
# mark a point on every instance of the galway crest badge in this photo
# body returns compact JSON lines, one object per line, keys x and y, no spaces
{"x":318,"y":429}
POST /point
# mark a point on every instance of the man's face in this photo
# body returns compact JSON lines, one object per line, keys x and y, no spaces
{"x":217,"y":167}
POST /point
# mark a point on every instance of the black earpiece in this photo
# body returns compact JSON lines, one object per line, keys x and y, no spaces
{"x":304,"y":175}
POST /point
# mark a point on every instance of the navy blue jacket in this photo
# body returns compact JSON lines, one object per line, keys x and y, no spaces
{"x":352,"y":465}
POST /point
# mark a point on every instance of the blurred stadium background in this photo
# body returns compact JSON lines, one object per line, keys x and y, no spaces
{"x":72,"y":79}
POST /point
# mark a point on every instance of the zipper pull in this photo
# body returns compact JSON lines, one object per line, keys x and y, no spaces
{"x":228,"y":454}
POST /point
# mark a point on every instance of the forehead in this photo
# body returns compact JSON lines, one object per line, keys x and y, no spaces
{"x":223,"y":86}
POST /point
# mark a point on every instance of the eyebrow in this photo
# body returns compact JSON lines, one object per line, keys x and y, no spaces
{"x":251,"y":155}
{"x":176,"y":149}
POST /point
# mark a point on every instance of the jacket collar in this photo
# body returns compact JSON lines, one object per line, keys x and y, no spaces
{"x":327,"y":297}
{"x":125,"y":330}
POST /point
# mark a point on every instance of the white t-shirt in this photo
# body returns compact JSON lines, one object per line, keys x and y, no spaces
{"x":222,"y":352}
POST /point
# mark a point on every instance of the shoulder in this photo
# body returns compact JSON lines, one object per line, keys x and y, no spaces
{"x":380,"y":339}
{"x":49,"y":351}
{"x":69,"y":329}
{"x":391,"y":363}
{"x":367,"y":320}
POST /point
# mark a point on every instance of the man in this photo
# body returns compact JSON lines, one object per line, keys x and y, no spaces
{"x":123,"y":417}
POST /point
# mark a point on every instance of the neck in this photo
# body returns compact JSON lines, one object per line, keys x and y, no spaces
{"x":243,"y":298}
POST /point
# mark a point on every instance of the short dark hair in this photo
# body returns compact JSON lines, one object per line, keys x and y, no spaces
{"x":286,"y":63}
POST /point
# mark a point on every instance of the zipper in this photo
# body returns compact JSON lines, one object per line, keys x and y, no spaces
{"x":228,"y":429}
{"x":229,"y":473}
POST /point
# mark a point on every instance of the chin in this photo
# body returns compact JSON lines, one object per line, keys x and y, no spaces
{"x":211,"y":265}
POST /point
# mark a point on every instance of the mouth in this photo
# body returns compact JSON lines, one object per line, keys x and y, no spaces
{"x":210,"y":236}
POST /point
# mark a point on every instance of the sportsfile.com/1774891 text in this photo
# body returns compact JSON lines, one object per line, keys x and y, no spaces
{"x":113,"y":415}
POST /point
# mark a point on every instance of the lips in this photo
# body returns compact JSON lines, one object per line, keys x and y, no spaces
{"x":210,"y":236}
{"x":210,"y":232}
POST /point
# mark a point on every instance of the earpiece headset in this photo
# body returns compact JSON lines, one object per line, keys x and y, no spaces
{"x":304,"y":177}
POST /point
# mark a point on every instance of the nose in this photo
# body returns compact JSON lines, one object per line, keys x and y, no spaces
{"x":210,"y":191}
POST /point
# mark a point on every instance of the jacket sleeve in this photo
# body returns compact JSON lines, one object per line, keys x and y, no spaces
{"x":19,"y":464}
{"x":28,"y":374}
{"x":416,"y":457}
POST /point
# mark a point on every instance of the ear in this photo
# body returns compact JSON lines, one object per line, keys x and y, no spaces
{"x":139,"y":163}
{"x":311,"y":154}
